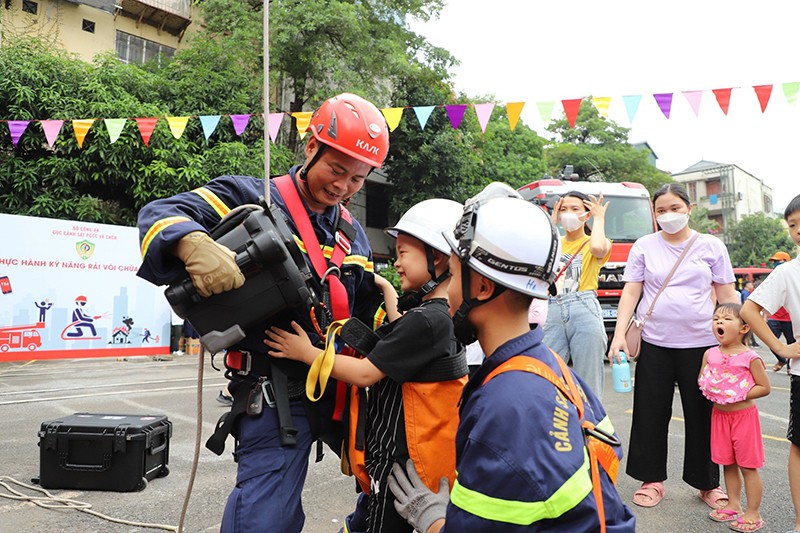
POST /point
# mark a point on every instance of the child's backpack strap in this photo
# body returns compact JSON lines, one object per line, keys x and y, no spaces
{"x":598,"y":443}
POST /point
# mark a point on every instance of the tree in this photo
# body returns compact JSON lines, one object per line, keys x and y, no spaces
{"x":105,"y":182}
{"x":700,"y":222}
{"x":598,"y":148}
{"x":754,"y":239}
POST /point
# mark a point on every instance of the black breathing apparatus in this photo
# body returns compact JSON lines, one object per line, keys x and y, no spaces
{"x":276,"y":278}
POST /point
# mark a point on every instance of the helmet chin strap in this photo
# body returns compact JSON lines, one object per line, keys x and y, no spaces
{"x":303,"y":174}
{"x":464,"y":331}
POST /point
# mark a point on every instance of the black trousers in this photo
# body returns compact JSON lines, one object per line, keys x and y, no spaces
{"x":657,"y":371}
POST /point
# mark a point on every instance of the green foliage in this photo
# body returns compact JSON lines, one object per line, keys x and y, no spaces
{"x":598,"y":148}
{"x":105,"y":182}
{"x":755,"y":238}
{"x":699,"y":221}
{"x":390,"y":273}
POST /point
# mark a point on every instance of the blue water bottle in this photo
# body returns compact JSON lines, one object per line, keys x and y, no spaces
{"x":621,"y":374}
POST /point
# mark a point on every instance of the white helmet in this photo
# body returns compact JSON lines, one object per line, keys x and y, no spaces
{"x":510,"y":241}
{"x":428,"y":220}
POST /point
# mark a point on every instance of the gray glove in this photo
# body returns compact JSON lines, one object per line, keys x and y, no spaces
{"x":415,"y":502}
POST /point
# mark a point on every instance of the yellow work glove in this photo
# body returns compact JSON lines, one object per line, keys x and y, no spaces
{"x":211,"y":266}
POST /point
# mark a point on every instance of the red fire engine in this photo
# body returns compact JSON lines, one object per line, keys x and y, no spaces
{"x":629,"y":216}
{"x":12,"y":337}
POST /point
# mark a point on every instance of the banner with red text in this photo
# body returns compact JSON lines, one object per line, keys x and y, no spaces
{"x":69,"y":289}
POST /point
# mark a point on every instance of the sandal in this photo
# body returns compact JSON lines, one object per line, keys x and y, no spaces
{"x":746,"y":526}
{"x":723,"y":515}
{"x":714,"y":498}
{"x":649,"y":494}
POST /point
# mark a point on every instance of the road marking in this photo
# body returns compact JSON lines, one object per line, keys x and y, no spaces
{"x":17,"y":367}
{"x":108,"y":393}
{"x":768,"y":437}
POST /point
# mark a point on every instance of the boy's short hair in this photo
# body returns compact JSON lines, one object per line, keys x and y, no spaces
{"x":518,"y":301}
{"x":793,"y":206}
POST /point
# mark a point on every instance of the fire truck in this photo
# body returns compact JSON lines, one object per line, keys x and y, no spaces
{"x":16,"y":337}
{"x":629,"y":216}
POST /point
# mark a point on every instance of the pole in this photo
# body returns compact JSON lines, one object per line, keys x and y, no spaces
{"x":266,"y":101}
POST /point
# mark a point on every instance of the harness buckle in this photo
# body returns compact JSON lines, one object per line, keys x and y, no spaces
{"x":343,"y":242}
{"x":269,"y":392}
{"x":238,"y":361}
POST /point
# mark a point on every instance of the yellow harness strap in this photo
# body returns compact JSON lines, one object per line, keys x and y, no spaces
{"x":321,"y":368}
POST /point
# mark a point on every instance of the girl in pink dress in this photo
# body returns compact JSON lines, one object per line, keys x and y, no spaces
{"x":732,"y":377}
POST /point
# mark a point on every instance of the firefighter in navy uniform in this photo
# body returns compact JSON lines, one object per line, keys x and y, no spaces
{"x":349,"y":138}
{"x":535,"y":451}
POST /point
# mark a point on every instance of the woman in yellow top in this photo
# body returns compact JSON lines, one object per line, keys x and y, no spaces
{"x":574,"y":327}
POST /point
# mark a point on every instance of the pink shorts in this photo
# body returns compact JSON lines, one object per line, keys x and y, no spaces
{"x":736,"y":438}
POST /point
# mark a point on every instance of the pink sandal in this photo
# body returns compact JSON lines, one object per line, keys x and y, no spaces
{"x":649,"y":494}
{"x":714,"y":498}
{"x":723,"y":515}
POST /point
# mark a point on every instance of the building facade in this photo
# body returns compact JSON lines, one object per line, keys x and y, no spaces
{"x":726,"y":191}
{"x":138,"y":30}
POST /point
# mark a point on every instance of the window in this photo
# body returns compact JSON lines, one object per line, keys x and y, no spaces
{"x":28,"y":6}
{"x":377,"y":205}
{"x":713,"y":187}
{"x":87,"y":25}
{"x":691,"y":188}
{"x":133,"y":49}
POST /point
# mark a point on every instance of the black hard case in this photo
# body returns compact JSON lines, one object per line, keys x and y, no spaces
{"x":103,"y":451}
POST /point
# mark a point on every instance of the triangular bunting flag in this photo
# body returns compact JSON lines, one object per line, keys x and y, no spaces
{"x":546,"y":110}
{"x":302,"y":120}
{"x":513,"y":110}
{"x":664,"y":101}
{"x":81,"y":128}
{"x":275,"y":120}
{"x":723,"y":98}
{"x":571,"y":108}
{"x":632,"y":105}
{"x":790,"y":91}
{"x":17,"y":128}
{"x":423,"y":114}
{"x":392,"y":116}
{"x":209,"y":123}
{"x":146,"y":127}
{"x":240,"y":123}
{"x":456,"y":114}
{"x":484,"y":112}
{"x":602,"y":103}
{"x":51,"y":130}
{"x":694,"y":98}
{"x":177,"y":125}
{"x":114,"y":127}
{"x":763,"y":92}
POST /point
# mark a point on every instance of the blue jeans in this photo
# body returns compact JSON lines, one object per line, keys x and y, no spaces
{"x":575,"y":331}
{"x":270,"y":477}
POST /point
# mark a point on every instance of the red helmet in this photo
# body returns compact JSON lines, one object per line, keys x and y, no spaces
{"x":354,"y":126}
{"x":80,"y":299}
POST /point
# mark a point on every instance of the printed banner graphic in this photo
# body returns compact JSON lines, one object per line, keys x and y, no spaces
{"x":69,"y":289}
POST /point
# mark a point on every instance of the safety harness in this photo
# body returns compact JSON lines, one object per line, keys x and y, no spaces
{"x":598,"y":443}
{"x":269,"y":382}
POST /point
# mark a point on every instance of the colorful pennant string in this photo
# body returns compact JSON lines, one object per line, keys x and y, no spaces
{"x":455,"y":113}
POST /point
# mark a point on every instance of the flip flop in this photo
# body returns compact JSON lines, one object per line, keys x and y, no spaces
{"x":723,"y":515}
{"x":649,"y":494}
{"x":714,"y":498}
{"x":746,"y":526}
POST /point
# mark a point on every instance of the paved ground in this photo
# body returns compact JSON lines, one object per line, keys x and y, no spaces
{"x":33,"y":392}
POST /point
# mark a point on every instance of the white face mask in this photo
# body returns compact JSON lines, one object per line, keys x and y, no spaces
{"x":673,"y":222}
{"x":571,"y":221}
